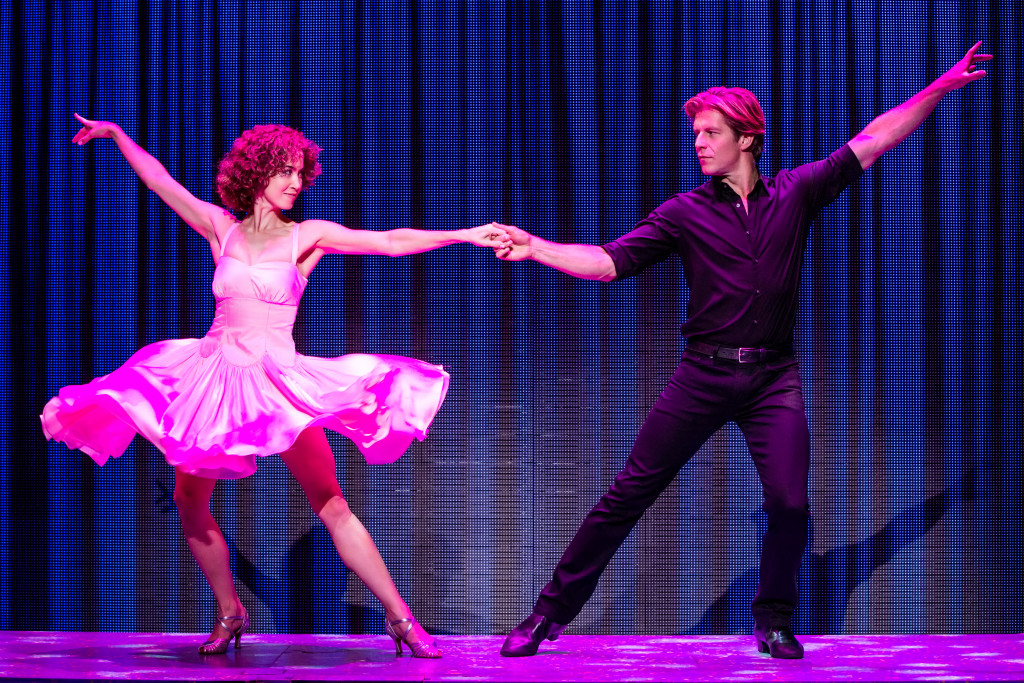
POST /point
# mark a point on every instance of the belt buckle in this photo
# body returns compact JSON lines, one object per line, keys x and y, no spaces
{"x":749,"y":355}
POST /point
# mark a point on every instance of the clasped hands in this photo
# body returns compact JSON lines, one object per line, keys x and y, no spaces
{"x":508,"y":242}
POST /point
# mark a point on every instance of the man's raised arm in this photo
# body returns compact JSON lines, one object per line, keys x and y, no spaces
{"x":891,"y":128}
{"x":584,"y":261}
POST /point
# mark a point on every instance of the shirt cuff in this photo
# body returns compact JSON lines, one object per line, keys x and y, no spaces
{"x":619,"y":258}
{"x":848,"y":163}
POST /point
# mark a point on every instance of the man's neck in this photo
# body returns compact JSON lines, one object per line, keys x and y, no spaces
{"x":743,"y":179}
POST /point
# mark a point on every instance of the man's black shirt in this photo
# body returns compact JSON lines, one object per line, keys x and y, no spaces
{"x":743,"y":269}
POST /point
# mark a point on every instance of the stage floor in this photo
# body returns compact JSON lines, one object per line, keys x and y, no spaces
{"x":167,"y":657}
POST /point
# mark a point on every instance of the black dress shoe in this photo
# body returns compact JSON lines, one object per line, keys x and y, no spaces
{"x":780,"y":643}
{"x":524,"y":639}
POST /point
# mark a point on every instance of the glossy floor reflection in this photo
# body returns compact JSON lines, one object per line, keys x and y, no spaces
{"x":152,"y":656}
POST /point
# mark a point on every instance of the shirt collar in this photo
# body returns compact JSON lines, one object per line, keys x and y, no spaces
{"x":726,"y":193}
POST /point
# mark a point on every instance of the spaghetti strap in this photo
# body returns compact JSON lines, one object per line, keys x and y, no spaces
{"x":224,"y":240}
{"x":295,"y":244}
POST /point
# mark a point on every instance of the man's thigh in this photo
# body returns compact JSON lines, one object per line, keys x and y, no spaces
{"x":697,"y":401}
{"x":774,"y":423}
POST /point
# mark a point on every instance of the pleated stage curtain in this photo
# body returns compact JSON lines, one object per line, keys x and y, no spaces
{"x":564,"y":119}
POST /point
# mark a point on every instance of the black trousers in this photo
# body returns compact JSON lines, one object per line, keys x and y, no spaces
{"x":766,"y":402}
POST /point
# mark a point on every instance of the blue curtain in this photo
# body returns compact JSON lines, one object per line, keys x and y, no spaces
{"x":563,"y":119}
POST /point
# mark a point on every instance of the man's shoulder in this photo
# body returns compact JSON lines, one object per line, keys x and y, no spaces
{"x":702,"y":191}
{"x":843,"y":160}
{"x":679,"y":211}
{"x":697,"y":195}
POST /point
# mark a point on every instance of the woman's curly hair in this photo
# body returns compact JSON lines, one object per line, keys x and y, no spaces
{"x":256,"y":156}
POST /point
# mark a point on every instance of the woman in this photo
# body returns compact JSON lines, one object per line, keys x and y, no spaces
{"x":212,"y":405}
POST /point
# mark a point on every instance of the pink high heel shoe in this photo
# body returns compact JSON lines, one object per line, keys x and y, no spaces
{"x":422,"y":649}
{"x":218,"y":646}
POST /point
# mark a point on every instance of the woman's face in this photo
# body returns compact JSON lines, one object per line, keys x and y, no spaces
{"x":284,"y":186}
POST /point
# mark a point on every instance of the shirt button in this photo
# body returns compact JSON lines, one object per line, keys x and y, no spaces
{"x":748,"y":232}
{"x":755,"y":322}
{"x":757,"y":291}
{"x":755,"y":262}
{"x":737,"y":206}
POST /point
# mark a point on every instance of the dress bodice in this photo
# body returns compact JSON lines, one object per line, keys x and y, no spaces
{"x":256,"y":307}
{"x":273,"y":282}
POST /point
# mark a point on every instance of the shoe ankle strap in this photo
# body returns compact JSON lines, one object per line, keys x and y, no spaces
{"x":222,"y":620}
{"x":408,"y":620}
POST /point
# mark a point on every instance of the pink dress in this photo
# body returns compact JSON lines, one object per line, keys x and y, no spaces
{"x":212,"y":405}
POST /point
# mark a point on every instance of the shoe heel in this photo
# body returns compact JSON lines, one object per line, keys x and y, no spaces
{"x":238,"y":641}
{"x":762,"y":646}
{"x":419,"y":649}
{"x":394,"y":636}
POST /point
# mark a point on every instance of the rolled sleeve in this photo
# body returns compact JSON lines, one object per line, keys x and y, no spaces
{"x":829,"y":177}
{"x":652,"y":240}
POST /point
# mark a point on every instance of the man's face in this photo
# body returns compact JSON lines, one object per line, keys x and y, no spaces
{"x":719,"y":149}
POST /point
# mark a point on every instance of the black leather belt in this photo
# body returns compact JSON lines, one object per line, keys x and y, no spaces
{"x":741,"y":354}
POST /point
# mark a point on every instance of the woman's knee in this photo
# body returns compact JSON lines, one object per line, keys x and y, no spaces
{"x":192,"y":493}
{"x":320,"y":492}
{"x":192,"y":507}
{"x":335,"y":509}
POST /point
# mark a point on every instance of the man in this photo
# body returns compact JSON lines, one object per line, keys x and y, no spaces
{"x":741,"y":237}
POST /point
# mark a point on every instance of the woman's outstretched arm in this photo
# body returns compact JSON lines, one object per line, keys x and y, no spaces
{"x":205,"y":218}
{"x":333,"y":238}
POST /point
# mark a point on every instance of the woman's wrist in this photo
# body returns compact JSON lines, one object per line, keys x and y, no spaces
{"x":117,"y":134}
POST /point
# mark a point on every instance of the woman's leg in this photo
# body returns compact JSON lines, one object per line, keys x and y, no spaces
{"x":311,"y":462}
{"x":205,"y":540}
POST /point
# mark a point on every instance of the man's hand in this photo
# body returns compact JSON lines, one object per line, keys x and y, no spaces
{"x":963,"y":72}
{"x":584,"y":261}
{"x":892,"y":127}
{"x":491,"y":235}
{"x":519,"y":248}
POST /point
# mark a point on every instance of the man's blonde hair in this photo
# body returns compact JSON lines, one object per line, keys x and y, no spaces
{"x":740,"y":108}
